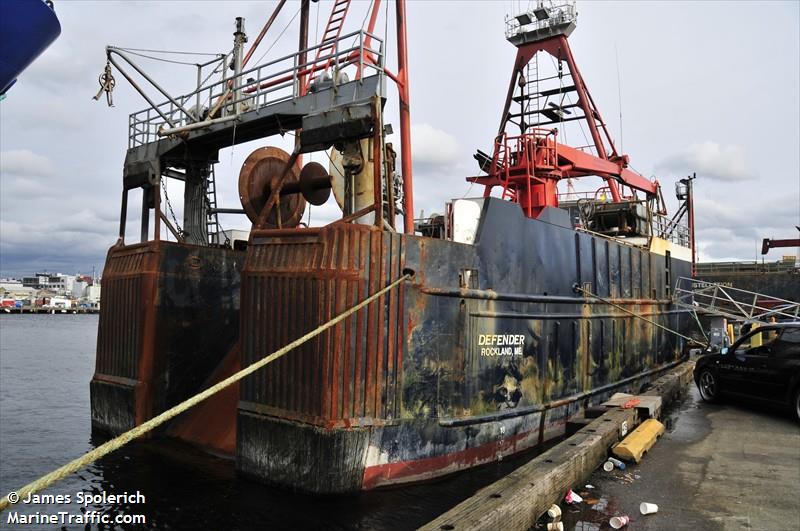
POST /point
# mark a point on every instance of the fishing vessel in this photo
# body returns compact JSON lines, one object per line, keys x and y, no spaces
{"x":518,"y":309}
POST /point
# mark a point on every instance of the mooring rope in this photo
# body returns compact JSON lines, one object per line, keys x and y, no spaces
{"x":128,"y":436}
{"x":700,"y":327}
{"x":643,"y":318}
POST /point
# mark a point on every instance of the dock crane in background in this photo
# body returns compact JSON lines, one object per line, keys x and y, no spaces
{"x":769,"y":243}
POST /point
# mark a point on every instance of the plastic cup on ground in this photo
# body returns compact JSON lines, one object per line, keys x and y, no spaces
{"x":572,"y":497}
{"x":648,"y":508}
{"x":618,"y":522}
{"x":555,"y":526}
{"x":554,"y":512}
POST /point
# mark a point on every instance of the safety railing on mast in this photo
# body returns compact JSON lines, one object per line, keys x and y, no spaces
{"x":544,"y":15}
{"x":265,"y":84}
{"x":524,"y":154}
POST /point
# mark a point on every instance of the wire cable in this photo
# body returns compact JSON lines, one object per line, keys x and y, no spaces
{"x":617,"y":306}
{"x":159,"y":58}
{"x":278,"y":37}
{"x":363,"y":23}
{"x":164,"y":51}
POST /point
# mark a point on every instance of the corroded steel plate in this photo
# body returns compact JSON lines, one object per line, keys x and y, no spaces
{"x":259,"y":174}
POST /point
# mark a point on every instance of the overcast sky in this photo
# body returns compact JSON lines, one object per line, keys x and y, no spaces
{"x":707,"y":87}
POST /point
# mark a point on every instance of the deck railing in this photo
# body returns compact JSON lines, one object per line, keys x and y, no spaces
{"x":278,"y":80}
{"x":547,"y":15}
{"x":664,"y":227}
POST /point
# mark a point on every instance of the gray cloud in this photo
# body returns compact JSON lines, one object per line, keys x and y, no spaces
{"x":712,"y":160}
{"x":53,"y":111}
{"x":61,"y":67}
{"x":26,"y":188}
{"x":26,"y":246}
{"x":25,"y":163}
{"x":432,"y":148}
{"x":735,"y":229}
{"x":770,"y":211}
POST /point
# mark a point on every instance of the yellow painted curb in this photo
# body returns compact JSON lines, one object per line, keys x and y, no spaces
{"x":633,"y":447}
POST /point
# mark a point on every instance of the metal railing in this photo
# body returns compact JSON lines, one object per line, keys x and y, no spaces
{"x":535,"y":149}
{"x":559,"y":13}
{"x":733,"y":303}
{"x":266,"y":84}
{"x":601,"y":195}
{"x":751,"y":266}
{"x":660,"y":226}
{"x":664,"y":227}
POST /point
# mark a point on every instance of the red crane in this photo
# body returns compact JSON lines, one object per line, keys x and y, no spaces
{"x":529,"y":165}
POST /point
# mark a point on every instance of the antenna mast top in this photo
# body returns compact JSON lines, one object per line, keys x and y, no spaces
{"x":548,"y":19}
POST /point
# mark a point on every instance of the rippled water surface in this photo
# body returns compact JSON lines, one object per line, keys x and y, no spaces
{"x":46,"y":362}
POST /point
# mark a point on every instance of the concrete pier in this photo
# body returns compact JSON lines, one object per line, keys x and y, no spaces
{"x":517,"y":500}
{"x":719,"y":467}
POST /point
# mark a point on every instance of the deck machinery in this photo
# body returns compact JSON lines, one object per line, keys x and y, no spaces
{"x":171,"y":314}
{"x":509,"y":324}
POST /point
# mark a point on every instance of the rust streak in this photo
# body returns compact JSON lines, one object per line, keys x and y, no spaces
{"x":391,"y":339}
{"x":369,"y":384}
{"x":380,"y":369}
{"x":358,"y":401}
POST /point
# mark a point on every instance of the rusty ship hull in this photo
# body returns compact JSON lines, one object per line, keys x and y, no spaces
{"x":169,"y":325}
{"x":408,"y":390}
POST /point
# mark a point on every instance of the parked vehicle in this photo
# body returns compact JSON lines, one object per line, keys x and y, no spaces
{"x":763,"y":364}
{"x":717,"y":340}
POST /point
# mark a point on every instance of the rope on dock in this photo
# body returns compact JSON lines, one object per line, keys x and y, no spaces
{"x":121,"y":440}
{"x":588,"y":293}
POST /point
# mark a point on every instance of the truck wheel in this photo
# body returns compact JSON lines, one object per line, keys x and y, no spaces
{"x":707,"y":385}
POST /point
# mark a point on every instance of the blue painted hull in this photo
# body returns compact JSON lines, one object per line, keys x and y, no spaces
{"x":27,"y":28}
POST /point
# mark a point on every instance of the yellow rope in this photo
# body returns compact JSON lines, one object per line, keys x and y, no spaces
{"x":128,"y":436}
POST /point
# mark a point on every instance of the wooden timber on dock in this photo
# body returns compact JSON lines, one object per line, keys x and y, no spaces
{"x":519,"y":499}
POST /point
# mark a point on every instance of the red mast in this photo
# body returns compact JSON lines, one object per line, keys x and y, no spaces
{"x":529,"y":165}
{"x":405,"y":117}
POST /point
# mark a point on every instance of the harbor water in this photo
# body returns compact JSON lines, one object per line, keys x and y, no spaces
{"x":46,"y":362}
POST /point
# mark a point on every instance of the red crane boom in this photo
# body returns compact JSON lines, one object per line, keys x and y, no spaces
{"x":529,"y":165}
